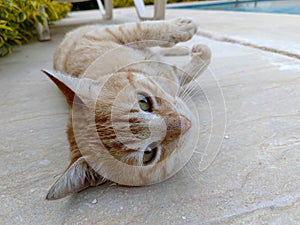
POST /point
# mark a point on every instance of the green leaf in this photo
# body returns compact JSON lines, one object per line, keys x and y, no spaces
{"x":22,"y":17}
{"x":4,"y":27}
{"x":1,"y":41}
{"x":40,"y":19}
{"x":5,"y":50}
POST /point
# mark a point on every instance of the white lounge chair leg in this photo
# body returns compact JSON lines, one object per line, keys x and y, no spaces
{"x":159,"y":10}
{"x":107,"y":11}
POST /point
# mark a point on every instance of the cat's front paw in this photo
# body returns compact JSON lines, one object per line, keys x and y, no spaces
{"x":202,"y":52}
{"x":183,"y":29}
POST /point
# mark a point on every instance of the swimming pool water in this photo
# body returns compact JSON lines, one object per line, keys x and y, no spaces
{"x":266,"y":6}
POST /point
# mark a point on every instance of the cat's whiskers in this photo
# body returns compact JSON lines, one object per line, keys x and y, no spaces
{"x":183,"y":78}
{"x":190,"y":91}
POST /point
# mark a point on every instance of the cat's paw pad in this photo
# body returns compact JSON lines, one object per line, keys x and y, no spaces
{"x":183,"y":29}
{"x":201,"y":51}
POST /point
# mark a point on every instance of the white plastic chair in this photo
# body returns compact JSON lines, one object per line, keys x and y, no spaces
{"x":159,"y":9}
{"x":107,"y":8}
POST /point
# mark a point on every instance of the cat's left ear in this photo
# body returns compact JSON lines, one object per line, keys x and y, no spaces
{"x":71,"y":86}
{"x":77,"y":177}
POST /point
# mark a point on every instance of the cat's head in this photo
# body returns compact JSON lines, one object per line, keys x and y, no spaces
{"x":128,"y":126}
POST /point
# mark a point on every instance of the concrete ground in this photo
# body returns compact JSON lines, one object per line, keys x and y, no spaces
{"x":253,"y":94}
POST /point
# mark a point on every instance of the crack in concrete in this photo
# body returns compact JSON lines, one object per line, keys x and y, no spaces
{"x":245,"y":43}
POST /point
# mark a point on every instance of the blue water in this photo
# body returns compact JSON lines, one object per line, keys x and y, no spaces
{"x":265,"y":6}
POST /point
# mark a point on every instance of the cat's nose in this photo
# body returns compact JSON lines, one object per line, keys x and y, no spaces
{"x":176,"y":125}
{"x":185,"y":124}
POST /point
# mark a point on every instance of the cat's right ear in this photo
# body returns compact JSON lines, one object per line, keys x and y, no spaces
{"x":71,"y":86}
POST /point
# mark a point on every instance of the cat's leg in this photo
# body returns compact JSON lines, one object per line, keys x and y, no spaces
{"x":175,"y":51}
{"x":200,"y":59}
{"x":148,"y":33}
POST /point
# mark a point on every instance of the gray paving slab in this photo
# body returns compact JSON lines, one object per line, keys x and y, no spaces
{"x":254,"y":178}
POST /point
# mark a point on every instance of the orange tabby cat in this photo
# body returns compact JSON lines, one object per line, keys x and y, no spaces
{"x":129,"y":114}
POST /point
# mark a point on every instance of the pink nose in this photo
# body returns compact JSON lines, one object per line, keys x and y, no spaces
{"x":176,"y":125}
{"x":185,"y":124}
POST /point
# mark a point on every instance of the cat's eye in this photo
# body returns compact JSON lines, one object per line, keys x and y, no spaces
{"x":145,"y":103}
{"x":149,"y":154}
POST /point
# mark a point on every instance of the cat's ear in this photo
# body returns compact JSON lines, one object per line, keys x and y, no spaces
{"x":71,"y":86}
{"x":77,"y":177}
